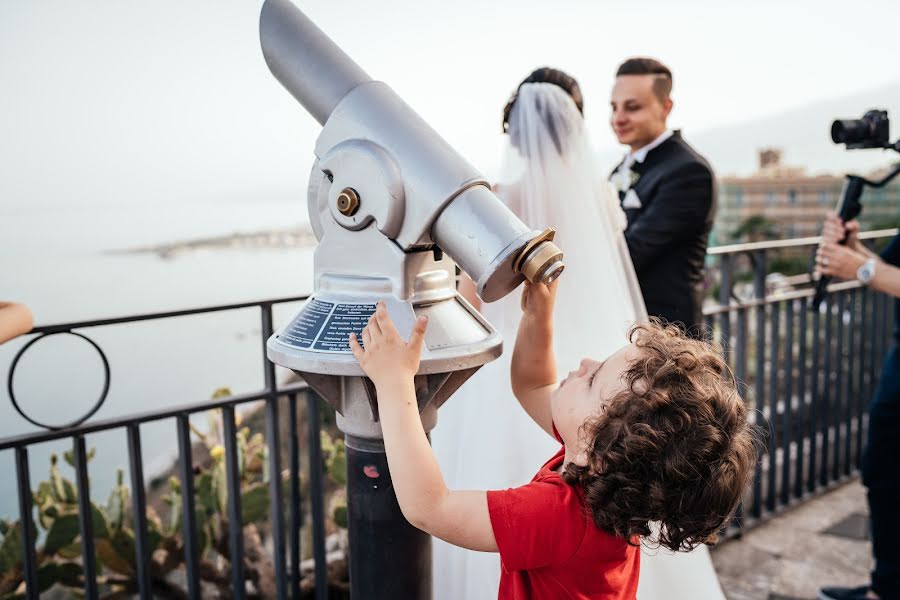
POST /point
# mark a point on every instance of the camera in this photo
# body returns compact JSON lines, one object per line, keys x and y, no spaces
{"x":871,"y":131}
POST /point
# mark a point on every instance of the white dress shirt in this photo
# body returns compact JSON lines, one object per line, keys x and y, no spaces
{"x":623,"y":178}
{"x":640,"y":155}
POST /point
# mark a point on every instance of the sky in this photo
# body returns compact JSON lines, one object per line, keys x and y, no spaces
{"x":109,"y":102}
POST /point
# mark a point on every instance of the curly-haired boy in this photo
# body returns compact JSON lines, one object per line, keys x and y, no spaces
{"x":656,"y":433}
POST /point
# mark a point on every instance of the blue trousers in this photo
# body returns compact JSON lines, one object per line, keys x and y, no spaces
{"x":881,"y":475}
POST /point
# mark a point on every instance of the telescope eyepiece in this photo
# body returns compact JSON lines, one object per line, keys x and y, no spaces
{"x":553,"y":272}
{"x":540,"y":261}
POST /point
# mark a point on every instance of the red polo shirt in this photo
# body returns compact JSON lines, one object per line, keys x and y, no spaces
{"x":550,"y":547}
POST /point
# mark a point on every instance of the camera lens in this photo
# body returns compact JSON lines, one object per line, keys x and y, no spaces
{"x":850,"y":131}
{"x":872,"y":131}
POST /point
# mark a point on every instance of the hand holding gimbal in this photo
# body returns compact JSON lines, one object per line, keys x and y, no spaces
{"x":871,"y":131}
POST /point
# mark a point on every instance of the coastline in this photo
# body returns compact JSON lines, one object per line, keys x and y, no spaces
{"x":300,"y":236}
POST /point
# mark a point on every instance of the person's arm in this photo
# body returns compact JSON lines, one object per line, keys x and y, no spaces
{"x":840,"y":261}
{"x":887,"y":279}
{"x":458,"y":517}
{"x":15,"y":320}
{"x":533,"y":369}
{"x":679,"y":210}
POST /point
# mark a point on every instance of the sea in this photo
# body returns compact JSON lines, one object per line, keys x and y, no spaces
{"x":73,"y":263}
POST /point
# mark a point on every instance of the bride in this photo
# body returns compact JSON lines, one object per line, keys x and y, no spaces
{"x":484,"y":440}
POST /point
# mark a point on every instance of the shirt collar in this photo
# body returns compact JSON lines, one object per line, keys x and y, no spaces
{"x":640,"y":155}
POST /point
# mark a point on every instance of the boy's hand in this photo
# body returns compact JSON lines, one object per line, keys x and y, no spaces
{"x":533,"y":366}
{"x":387,"y":357}
{"x":538,"y":300}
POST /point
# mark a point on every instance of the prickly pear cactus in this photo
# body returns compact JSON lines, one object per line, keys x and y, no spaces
{"x":55,"y":503}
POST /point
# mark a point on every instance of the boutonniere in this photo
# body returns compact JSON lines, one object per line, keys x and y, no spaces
{"x":625,"y":180}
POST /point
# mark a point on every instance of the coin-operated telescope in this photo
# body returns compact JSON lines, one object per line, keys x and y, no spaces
{"x":395,"y":210}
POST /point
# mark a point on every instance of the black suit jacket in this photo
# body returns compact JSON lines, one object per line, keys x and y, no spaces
{"x":668,"y":234}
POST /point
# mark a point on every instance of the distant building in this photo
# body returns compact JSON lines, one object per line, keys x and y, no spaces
{"x":793,"y":203}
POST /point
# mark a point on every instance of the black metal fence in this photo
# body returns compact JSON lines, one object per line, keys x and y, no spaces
{"x":31,"y":566}
{"x":808,"y":375}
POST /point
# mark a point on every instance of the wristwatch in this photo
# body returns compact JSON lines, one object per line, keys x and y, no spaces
{"x":866,"y":271}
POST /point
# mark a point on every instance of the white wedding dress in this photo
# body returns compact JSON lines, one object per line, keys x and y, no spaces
{"x":483,"y":439}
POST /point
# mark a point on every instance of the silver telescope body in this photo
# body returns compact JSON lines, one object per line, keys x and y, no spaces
{"x":446,"y":200}
{"x":391,"y":203}
{"x":305,"y":60}
{"x":395,"y":209}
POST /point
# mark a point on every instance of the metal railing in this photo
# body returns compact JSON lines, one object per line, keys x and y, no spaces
{"x":808,"y":376}
{"x":287,"y":576}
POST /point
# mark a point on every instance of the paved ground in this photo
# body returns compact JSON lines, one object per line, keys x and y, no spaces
{"x":821,"y":542}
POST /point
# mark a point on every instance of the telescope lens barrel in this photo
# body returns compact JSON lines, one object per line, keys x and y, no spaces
{"x":305,"y":60}
{"x":494,"y":247}
{"x":446,"y":199}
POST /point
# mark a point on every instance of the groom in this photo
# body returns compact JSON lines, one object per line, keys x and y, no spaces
{"x":667,"y":191}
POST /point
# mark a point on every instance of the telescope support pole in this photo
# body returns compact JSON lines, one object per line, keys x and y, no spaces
{"x":389,"y":558}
